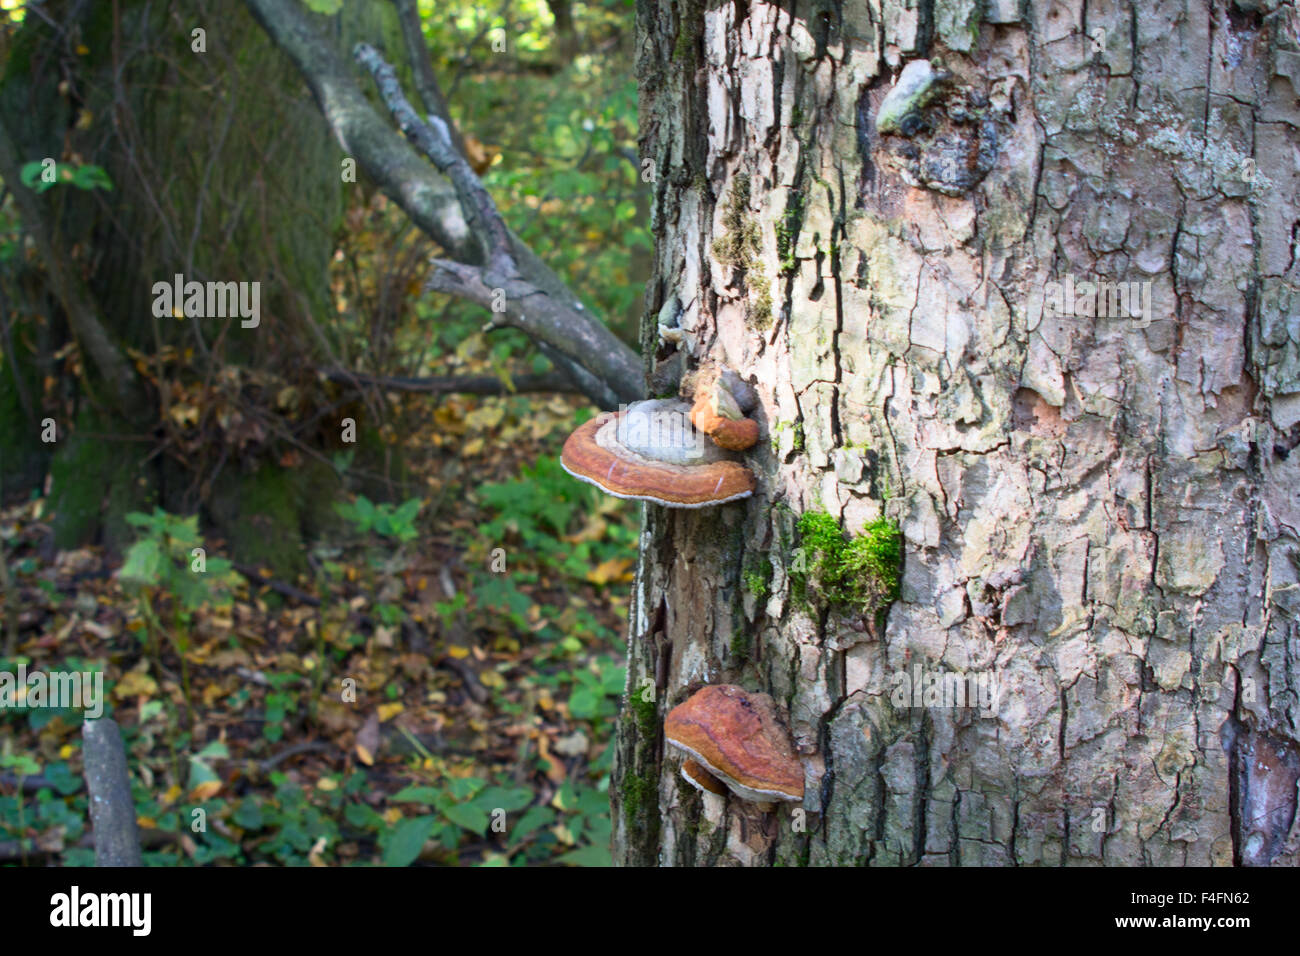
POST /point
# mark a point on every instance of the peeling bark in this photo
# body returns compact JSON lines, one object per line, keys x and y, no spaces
{"x":1099,"y":509}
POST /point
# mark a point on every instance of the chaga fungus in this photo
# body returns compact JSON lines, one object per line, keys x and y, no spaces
{"x":738,"y":738}
{"x":650,"y":452}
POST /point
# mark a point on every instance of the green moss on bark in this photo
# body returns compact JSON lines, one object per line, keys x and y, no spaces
{"x":94,"y":482}
{"x":861,"y":573}
{"x":638,"y":785}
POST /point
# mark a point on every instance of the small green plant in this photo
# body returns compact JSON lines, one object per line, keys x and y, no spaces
{"x":168,"y":560}
{"x":861,"y":572}
{"x":384,"y":519}
{"x":757,"y":577}
{"x":34,"y":177}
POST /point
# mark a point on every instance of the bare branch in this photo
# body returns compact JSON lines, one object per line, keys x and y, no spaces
{"x":577,"y":342}
{"x":434,"y":140}
{"x":429,"y":200}
{"x":426,"y":81}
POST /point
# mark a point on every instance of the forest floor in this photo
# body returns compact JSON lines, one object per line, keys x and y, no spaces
{"x":441,"y":688}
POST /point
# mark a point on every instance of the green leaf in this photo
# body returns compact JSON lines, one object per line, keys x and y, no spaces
{"x":360,"y":815}
{"x":462,"y":788}
{"x":587,"y":856}
{"x":214,"y":750}
{"x":30,"y":175}
{"x":144,"y":563}
{"x":403,"y":844}
{"x":467,"y":816}
{"x":249,"y":815}
{"x":507,"y":799}
{"x":534,"y":818}
{"x":62,"y":779}
{"x":200,"y":773}
{"x":583,"y":703}
{"x":427,"y":795}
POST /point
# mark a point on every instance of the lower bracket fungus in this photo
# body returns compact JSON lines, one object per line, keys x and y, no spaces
{"x":650,"y":452}
{"x":738,"y":738}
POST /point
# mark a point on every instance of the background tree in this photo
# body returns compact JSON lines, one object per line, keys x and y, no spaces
{"x":214,"y":164}
{"x":1099,"y":513}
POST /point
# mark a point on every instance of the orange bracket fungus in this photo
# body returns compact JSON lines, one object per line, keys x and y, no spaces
{"x":650,"y":452}
{"x":701,"y":779}
{"x":738,"y":738}
{"x":717,"y":414}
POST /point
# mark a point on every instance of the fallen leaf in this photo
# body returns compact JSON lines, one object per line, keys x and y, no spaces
{"x":368,"y":741}
{"x":612,"y":570}
{"x":205,"y":791}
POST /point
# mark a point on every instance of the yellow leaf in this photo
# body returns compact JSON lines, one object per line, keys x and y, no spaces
{"x":365,"y":756}
{"x":183,"y":414}
{"x":388,"y":711}
{"x":136,"y":683}
{"x":82,"y":49}
{"x":172,"y":795}
{"x":65,"y":751}
{"x":205,"y":790}
{"x":458,"y":652}
{"x":146,"y":823}
{"x":327,"y":784}
{"x":491,"y":679}
{"x":611,"y":570}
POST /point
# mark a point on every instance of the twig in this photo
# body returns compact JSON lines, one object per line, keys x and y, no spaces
{"x":434,"y":140}
{"x":307,"y":747}
{"x":426,"y":81}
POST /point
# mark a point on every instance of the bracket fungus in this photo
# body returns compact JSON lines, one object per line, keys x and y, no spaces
{"x":737,"y":737}
{"x":722,"y":399}
{"x":717,"y":414}
{"x":650,"y":452}
{"x":701,"y":779}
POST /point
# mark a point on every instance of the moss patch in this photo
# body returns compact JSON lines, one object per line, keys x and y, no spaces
{"x":638,"y":787}
{"x":94,"y":482}
{"x":861,"y":573}
{"x":787,"y":231}
{"x":739,"y":246}
{"x":267,"y":515}
{"x":758,"y":578}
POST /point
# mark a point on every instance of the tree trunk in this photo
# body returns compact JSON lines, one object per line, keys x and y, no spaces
{"x":1099,"y":506}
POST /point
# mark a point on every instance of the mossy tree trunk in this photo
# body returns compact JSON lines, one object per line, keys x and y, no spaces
{"x":1099,"y":511}
{"x":222,"y":171}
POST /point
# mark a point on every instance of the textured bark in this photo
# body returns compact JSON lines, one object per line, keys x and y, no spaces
{"x":1100,"y":514}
